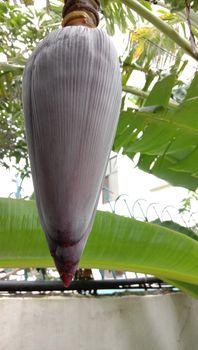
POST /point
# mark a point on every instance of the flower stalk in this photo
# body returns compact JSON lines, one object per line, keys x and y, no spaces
{"x":81,"y":12}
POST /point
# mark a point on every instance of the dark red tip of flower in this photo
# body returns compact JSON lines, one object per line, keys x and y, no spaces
{"x":66,"y":278}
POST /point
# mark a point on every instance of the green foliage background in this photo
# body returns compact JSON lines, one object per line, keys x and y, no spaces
{"x":158,"y":123}
{"x":178,"y":5}
{"x":165,"y":103}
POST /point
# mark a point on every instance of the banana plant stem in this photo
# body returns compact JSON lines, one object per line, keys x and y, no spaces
{"x":143,"y":94}
{"x":162,"y":26}
{"x":135,"y":91}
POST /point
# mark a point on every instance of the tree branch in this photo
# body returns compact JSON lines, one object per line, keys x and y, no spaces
{"x":143,"y":94}
{"x":135,"y":91}
{"x":162,"y":26}
{"x":192,"y":38}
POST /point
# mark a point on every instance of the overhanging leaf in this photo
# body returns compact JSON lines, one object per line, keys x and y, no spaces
{"x":176,"y":227}
{"x":116,"y":243}
{"x":162,"y":168}
{"x":188,"y":288}
{"x":193,"y":88}
{"x":167,"y":139}
{"x":156,"y":97}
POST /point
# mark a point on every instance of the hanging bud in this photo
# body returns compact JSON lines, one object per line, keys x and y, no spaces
{"x":71,"y":99}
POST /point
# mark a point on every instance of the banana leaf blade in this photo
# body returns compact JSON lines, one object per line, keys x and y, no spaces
{"x":115,"y":243}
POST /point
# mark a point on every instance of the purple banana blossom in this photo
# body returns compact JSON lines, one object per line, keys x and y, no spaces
{"x":71,"y":99}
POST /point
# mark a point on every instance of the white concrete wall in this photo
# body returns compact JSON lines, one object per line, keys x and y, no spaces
{"x":162,"y":322}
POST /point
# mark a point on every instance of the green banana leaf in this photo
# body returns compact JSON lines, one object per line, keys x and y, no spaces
{"x":179,"y":5}
{"x":167,"y":139}
{"x":188,"y":288}
{"x":176,"y":227}
{"x":115,"y":243}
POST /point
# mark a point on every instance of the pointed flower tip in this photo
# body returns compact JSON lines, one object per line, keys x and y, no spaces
{"x":66,"y":278}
